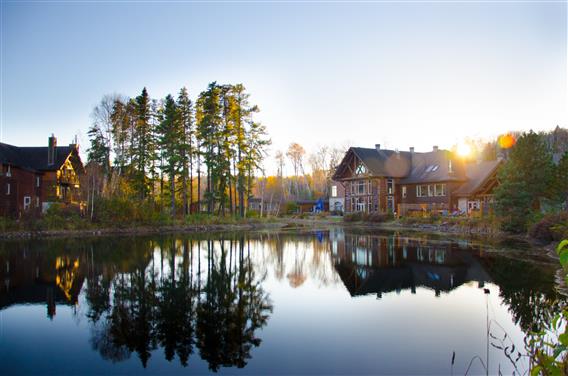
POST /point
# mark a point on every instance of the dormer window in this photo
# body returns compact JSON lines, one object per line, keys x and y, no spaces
{"x":361,"y":169}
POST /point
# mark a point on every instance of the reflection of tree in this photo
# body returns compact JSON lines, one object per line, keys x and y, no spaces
{"x":165,"y":295}
{"x":233,"y":308}
{"x":527,"y":289}
{"x":175,"y":309}
{"x":297,"y":277}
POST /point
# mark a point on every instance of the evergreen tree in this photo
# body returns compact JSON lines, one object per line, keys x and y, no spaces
{"x":169,"y":135}
{"x":524,"y":181}
{"x":208,"y":126}
{"x":185,"y":108}
{"x":143,"y":145}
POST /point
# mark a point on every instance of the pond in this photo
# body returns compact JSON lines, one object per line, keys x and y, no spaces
{"x":335,"y":301}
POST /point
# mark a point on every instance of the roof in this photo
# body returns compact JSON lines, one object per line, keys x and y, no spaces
{"x":33,"y":157}
{"x":434,"y":167}
{"x":384,"y":162}
{"x":477,"y":174}
{"x":412,"y":167}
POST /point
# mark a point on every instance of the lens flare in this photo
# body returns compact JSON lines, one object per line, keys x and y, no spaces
{"x":506,"y":141}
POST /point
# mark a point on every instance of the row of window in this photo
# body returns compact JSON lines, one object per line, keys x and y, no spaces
{"x":430,"y":190}
{"x":8,"y":187}
{"x":364,"y":187}
{"x":361,"y":187}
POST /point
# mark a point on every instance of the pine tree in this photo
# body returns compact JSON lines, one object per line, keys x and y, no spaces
{"x":169,"y":135}
{"x":209,"y":121}
{"x":185,"y":108}
{"x":143,"y":143}
{"x":524,"y":181}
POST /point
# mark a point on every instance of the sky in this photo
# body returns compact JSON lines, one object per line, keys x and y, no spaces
{"x":337,"y":73}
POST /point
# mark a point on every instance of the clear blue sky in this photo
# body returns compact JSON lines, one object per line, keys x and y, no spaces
{"x":399,"y":74}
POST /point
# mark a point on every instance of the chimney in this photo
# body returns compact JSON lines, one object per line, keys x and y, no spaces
{"x":378,"y":147}
{"x":74,"y":144}
{"x":51,"y":150}
{"x":412,"y":150}
{"x":435,"y":148}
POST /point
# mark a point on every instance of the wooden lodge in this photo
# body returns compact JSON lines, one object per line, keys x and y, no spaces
{"x":405,"y":182}
{"x":32,"y":178}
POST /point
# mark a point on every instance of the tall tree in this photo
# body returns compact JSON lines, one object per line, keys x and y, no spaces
{"x":185,"y":109}
{"x":143,"y":143}
{"x":208,"y":126}
{"x":169,"y":136}
{"x":524,"y":181}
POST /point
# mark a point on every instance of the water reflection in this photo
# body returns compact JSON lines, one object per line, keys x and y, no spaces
{"x":145,"y":294}
{"x":211,"y":294}
{"x":379,"y":264}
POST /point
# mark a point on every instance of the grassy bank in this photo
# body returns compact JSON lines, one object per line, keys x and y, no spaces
{"x":63,"y":222}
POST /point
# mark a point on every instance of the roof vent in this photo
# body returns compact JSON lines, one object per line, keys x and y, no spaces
{"x":435,"y":148}
{"x":378,"y":146}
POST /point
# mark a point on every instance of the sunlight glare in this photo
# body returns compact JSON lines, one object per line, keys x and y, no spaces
{"x":464,"y":149}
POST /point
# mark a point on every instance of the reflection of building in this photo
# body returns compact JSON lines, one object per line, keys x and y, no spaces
{"x":38,"y":279}
{"x":381,"y":264}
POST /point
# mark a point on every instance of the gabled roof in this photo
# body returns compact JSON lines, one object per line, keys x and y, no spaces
{"x":434,"y":166}
{"x":477,"y":174}
{"x":33,"y":157}
{"x":412,"y":167}
{"x":381,"y":162}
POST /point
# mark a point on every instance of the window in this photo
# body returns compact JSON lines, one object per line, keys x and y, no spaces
{"x":37,"y":181}
{"x":360,"y":169}
{"x":390,"y":187}
{"x":404,"y":191}
{"x":435,"y":168}
{"x":27,"y":202}
{"x":450,"y":166}
{"x":7,"y":189}
{"x":8,"y":172}
{"x":440,"y":189}
{"x":430,"y":190}
{"x":421,"y":191}
{"x":333,"y":190}
{"x":361,"y":187}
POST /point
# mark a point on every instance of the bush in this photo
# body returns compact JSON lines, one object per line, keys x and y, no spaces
{"x":63,"y":217}
{"x":551,"y":227}
{"x":290,"y":207}
{"x":365,"y":217}
{"x":353,"y":217}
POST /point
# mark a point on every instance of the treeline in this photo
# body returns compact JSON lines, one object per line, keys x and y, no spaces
{"x":158,"y":151}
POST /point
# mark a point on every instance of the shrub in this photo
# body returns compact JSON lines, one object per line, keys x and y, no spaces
{"x":550,"y":227}
{"x":364,"y":217}
{"x":290,"y":207}
{"x":353,"y":217}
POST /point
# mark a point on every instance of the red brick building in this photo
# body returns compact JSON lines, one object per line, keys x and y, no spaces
{"x":31,"y":178}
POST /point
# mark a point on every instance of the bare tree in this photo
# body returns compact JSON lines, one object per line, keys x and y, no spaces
{"x":296,"y":154}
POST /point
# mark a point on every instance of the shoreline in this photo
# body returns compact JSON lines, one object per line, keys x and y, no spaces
{"x":274,"y":224}
{"x":139,"y":230}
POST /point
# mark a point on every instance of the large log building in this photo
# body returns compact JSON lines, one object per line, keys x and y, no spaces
{"x":380,"y":181}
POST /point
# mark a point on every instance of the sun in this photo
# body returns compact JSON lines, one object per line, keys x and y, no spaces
{"x":464,"y":149}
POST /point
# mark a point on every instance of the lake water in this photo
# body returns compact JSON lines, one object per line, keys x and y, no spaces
{"x":334,"y":301}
